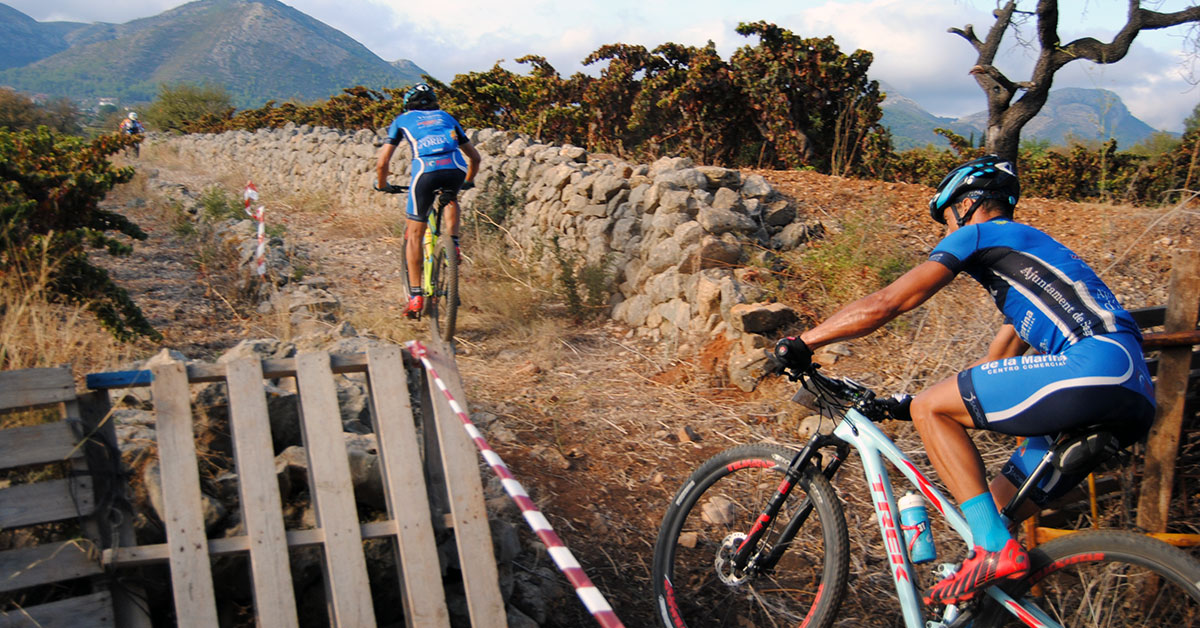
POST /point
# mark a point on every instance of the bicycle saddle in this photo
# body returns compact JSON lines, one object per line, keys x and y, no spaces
{"x":1081,"y":450}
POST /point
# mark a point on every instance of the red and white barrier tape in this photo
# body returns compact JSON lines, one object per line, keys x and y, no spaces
{"x":592,"y":598}
{"x":260,"y":254}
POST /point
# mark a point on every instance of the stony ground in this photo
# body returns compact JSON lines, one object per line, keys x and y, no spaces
{"x":601,"y":426}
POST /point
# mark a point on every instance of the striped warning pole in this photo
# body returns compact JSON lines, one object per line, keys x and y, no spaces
{"x":592,"y":598}
{"x":260,"y":254}
{"x":248,"y":195}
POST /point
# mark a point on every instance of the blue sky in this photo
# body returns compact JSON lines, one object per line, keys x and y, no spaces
{"x":913,"y":52}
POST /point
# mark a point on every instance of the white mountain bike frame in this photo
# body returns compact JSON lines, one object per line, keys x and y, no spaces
{"x":873,"y":446}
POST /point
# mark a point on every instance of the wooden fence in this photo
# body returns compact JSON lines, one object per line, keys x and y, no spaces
{"x":453,"y":497}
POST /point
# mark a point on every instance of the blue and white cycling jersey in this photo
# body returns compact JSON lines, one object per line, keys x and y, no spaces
{"x":1091,"y":369}
{"x":434,"y":137}
{"x":1045,"y":291}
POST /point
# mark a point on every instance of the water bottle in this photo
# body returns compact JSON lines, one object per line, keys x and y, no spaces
{"x":914,"y":521}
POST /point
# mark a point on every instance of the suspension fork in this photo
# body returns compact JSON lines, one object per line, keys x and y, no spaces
{"x":799,"y":463}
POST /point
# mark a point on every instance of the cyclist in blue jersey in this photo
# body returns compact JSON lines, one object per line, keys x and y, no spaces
{"x":1086,"y":367}
{"x":438,"y":144}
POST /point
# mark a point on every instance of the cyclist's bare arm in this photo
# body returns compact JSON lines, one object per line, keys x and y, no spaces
{"x":381,"y":167}
{"x":876,"y":309}
{"x":473,"y":159}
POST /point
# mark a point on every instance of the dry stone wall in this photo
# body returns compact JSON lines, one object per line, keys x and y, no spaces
{"x":679,"y":241}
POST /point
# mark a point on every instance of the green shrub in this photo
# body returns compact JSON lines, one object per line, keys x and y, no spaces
{"x":218,"y":205}
{"x":857,"y":260}
{"x":20,"y":113}
{"x":498,"y":199}
{"x":574,"y":274}
{"x":50,"y":216}
{"x":179,"y":106}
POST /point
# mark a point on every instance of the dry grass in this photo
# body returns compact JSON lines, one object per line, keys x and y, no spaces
{"x":36,"y":332}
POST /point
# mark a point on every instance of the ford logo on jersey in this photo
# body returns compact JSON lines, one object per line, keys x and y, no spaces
{"x":433,"y":141}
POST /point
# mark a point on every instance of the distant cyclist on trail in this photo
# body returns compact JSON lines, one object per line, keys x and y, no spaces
{"x":438,"y":144}
{"x":1088,"y":369}
{"x":131,"y":126}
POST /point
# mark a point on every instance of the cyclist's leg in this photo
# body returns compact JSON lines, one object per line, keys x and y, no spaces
{"x":414,"y":233}
{"x":420,"y":199}
{"x":941,"y":418}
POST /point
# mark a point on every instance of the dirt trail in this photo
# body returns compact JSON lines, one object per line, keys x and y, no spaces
{"x":599,"y":426}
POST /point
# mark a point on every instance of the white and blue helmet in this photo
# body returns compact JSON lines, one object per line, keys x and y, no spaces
{"x":988,"y":177}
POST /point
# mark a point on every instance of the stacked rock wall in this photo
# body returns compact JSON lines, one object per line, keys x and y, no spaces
{"x":676,"y":238}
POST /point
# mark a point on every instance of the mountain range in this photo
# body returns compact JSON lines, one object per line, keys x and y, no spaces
{"x":258,"y":50}
{"x":1069,"y":113}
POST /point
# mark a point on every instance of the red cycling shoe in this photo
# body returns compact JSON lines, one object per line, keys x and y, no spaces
{"x":979,"y":570}
{"x":415,"y":305}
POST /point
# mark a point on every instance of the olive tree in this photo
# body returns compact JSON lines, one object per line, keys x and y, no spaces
{"x":1007,"y":113}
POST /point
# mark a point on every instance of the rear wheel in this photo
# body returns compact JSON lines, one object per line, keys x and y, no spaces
{"x":443,"y":303}
{"x":1107,"y":579}
{"x":695,"y":582}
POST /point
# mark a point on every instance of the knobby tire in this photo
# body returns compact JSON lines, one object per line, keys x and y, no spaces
{"x":723,"y":498}
{"x":443,"y":306}
{"x":1108,"y":579}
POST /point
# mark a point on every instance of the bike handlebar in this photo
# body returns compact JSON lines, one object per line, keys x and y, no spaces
{"x":400,"y":189}
{"x":390,"y":189}
{"x":834,"y":393}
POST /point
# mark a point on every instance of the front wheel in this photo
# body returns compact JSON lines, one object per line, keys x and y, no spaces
{"x":443,"y":303}
{"x":695,"y":582}
{"x":1107,"y":578}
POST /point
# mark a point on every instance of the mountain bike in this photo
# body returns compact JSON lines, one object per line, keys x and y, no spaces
{"x":439,"y":271}
{"x":757,"y":537}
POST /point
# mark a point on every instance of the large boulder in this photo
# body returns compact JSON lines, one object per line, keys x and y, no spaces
{"x":747,"y":362}
{"x":712,"y":252}
{"x":717,"y":221}
{"x":761,"y":318}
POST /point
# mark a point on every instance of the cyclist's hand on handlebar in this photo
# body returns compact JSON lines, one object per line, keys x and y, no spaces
{"x":792,"y":353}
{"x":897,"y":406}
{"x":772,"y":366}
{"x":388,"y":188}
{"x":467,"y":185}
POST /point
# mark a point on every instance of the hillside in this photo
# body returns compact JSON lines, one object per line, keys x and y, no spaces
{"x":24,"y":40}
{"x":258,"y":50}
{"x":1069,"y":113}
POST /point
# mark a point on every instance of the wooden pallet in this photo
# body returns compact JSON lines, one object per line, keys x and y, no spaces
{"x":456,"y":495}
{"x":64,"y":445}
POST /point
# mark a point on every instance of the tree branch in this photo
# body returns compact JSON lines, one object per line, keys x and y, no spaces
{"x":968,"y":33}
{"x":995,"y":75}
{"x":1047,"y":24}
{"x":1139,"y":20}
{"x":987,"y":53}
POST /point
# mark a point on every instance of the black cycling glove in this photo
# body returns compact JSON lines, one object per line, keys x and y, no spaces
{"x":467,"y":185}
{"x":897,"y":406}
{"x":387,"y":188}
{"x":793,"y":353}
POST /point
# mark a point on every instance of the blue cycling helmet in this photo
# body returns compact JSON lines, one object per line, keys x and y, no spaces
{"x":420,"y":96}
{"x":984,"y":178}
